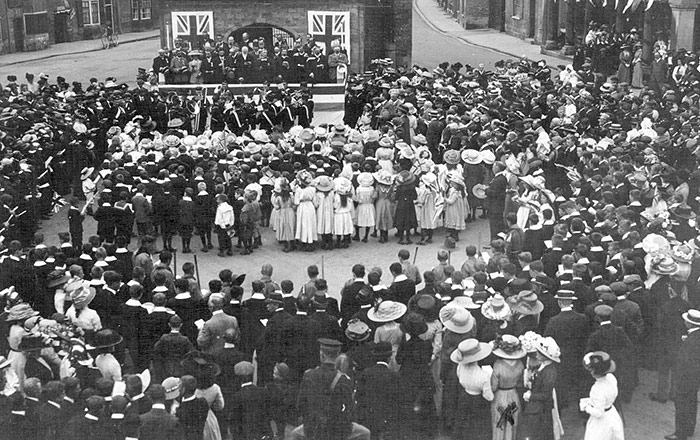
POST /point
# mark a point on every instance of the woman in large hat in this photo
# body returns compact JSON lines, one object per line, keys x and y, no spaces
{"x":103,"y":343}
{"x":604,"y":422}
{"x":506,"y":382}
{"x":538,"y":420}
{"x":414,"y":356}
{"x":475,"y":393}
{"x":16,"y":317}
{"x":455,"y":205}
{"x":526,"y":309}
{"x":80,"y":314}
{"x":386,"y":314}
{"x":405,"y":218}
{"x":459,"y":325}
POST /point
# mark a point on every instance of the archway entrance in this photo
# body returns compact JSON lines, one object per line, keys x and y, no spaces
{"x":271,"y":33}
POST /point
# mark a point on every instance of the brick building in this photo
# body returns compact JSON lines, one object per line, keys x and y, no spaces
{"x":27,"y":25}
{"x":375,"y":28}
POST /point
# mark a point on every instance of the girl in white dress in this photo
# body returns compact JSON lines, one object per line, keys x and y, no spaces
{"x":365,"y":196}
{"x":306,"y":211}
{"x":604,"y":422}
{"x":343,"y":206}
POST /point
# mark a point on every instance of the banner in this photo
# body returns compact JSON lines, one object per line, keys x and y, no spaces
{"x":329,"y":26}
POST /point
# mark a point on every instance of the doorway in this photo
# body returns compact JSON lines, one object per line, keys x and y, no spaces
{"x":272,"y":35}
{"x":19,"y":34}
{"x":60,"y":23}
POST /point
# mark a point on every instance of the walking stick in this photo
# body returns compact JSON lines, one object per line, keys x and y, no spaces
{"x":323,"y":268}
{"x":175,"y":262}
{"x":196,"y":269}
{"x":415,"y":255}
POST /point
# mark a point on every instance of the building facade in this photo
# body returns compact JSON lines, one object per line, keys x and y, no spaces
{"x":27,"y":25}
{"x":369,"y":28}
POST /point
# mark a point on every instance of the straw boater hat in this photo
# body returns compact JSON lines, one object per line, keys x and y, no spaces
{"x":549,"y":347}
{"x":365,"y":179}
{"x":692,"y":317}
{"x":496,"y":308}
{"x":566,"y":294}
{"x":470,"y":350}
{"x":105,"y":338}
{"x":456,"y":319}
{"x":599,"y":362}
{"x":526,"y":303}
{"x":508,"y":347}
{"x":471,"y":157}
{"x":479,"y":191}
{"x":382,"y":176}
{"x":451,"y":157}
{"x":386,"y":311}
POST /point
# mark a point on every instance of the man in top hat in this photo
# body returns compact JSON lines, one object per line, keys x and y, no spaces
{"x":326,"y":400}
{"x":378,"y":391}
{"x":614,"y":341}
{"x":687,"y":376}
{"x":570,"y":329}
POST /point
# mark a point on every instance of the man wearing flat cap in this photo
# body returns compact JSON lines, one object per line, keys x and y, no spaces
{"x":325,"y":400}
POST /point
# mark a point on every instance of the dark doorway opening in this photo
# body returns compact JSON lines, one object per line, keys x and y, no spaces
{"x":272,"y":35}
{"x":60,"y":24}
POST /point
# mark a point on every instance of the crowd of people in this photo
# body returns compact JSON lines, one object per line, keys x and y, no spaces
{"x":209,"y":61}
{"x":590,"y":191}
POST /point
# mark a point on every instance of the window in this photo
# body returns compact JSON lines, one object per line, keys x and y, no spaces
{"x":36,"y":23}
{"x":91,"y":12}
{"x":517,"y":9}
{"x":140,"y":10}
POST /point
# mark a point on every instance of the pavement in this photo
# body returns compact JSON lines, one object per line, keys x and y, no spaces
{"x":490,"y":39}
{"x":73,"y":48}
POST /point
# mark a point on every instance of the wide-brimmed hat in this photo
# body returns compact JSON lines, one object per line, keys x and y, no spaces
{"x":455,"y":177}
{"x":83,"y":295}
{"x":683,"y":211}
{"x":386,"y":311}
{"x":105,"y":338}
{"x":470,"y":350}
{"x":664,"y":266}
{"x":405,"y":178}
{"x":357,"y":330}
{"x":324,"y":184}
{"x":428,"y":179}
{"x":479,"y":191}
{"x":382,"y":176}
{"x":692,"y":316}
{"x":466,"y":302}
{"x":420,"y":139}
{"x":488,"y":157}
{"x":472,"y":157}
{"x":343,"y":186}
{"x":305,"y":177}
{"x":175,"y":123}
{"x":307,"y":136}
{"x":173,"y":387}
{"x":508,"y":347}
{"x":406,"y":151}
{"x":386,"y":142}
{"x":56,"y":278}
{"x":549,"y":347}
{"x":682,"y":253}
{"x":451,"y":157}
{"x":197,"y":363}
{"x":21,"y":312}
{"x":32,"y":342}
{"x":365,"y":179}
{"x":341,"y":130}
{"x":599,"y":362}
{"x":496,"y":308}
{"x":86,"y":172}
{"x":527,"y":303}
{"x":456,"y":319}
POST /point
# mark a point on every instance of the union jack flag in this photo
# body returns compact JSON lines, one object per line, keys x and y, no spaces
{"x":190,"y":26}
{"x":327,"y":27}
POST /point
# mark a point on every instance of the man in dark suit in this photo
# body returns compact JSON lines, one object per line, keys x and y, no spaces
{"x":301,"y":342}
{"x":121,"y":424}
{"x":496,"y":198}
{"x":552,"y":258}
{"x":249,"y":407}
{"x":159,"y":424}
{"x":326,"y":400}
{"x":51,"y":418}
{"x":154,"y":325}
{"x":170,"y":349}
{"x":88,"y":426}
{"x":378,"y":393}
{"x":271,"y":348}
{"x":570,"y":330}
{"x":320,"y":295}
{"x":402,"y":288}
{"x":252,"y":311}
{"x":193,"y":410}
{"x":354,"y":294}
{"x":227,"y":360}
{"x":687,"y":376}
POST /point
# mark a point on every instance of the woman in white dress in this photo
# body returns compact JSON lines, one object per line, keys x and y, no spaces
{"x":604,"y":422}
{"x":304,"y":197}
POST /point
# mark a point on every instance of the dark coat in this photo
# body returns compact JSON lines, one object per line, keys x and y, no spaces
{"x":378,"y":392}
{"x":614,"y":341}
{"x":353,"y":296}
{"x":158,"y":424}
{"x":170,"y":349}
{"x":402,"y":291}
{"x":82,"y":428}
{"x":192,"y":415}
{"x":227,"y":360}
{"x":496,"y":195}
{"x":250,"y":416}
{"x":570,"y":330}
{"x":326,"y":409}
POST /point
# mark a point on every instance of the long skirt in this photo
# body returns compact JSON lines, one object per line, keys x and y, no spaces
{"x":472,"y":419}
{"x":285,"y":221}
{"x":306,"y":222}
{"x":501,"y":401}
